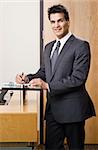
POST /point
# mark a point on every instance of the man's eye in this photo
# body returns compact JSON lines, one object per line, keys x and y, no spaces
{"x":52,"y":22}
{"x":61,"y":20}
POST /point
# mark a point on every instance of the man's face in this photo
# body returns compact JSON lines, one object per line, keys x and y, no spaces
{"x":59,"y":25}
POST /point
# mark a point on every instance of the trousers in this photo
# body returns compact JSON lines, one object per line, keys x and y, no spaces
{"x":57,"y":132}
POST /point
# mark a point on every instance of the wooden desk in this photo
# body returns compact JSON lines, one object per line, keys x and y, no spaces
{"x":19,"y":120}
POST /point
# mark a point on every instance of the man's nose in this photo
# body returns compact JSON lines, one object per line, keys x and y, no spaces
{"x":56,"y":24}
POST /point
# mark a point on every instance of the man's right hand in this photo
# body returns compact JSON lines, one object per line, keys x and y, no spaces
{"x":21,"y":79}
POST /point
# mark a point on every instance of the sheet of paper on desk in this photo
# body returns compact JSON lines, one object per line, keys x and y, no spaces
{"x":15,"y":85}
{"x":12,"y":84}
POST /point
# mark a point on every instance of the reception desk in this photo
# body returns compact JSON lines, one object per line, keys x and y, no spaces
{"x":21,"y":119}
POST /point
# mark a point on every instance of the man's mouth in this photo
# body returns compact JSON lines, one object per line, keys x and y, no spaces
{"x":57,"y":30}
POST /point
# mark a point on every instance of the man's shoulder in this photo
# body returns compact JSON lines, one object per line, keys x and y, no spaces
{"x":50,"y":43}
{"x":48,"y":46}
{"x":80,"y":40}
{"x":81,"y":45}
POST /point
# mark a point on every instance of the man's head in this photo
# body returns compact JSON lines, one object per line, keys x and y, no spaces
{"x":59,"y":18}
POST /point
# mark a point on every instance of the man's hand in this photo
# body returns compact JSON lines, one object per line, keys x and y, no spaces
{"x":39,"y":82}
{"x":22,"y":79}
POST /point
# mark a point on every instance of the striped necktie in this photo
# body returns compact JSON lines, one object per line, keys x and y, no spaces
{"x":55,"y":55}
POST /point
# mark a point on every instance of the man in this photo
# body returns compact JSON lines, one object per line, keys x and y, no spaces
{"x":64,"y":76}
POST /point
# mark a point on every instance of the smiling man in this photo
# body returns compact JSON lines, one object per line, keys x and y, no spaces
{"x":60,"y":24}
{"x":63,"y":74}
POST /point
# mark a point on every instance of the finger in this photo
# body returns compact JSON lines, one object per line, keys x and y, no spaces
{"x":18,"y":79}
{"x":33,"y":81}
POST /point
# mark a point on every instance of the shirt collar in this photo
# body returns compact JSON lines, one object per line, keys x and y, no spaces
{"x":64,"y":39}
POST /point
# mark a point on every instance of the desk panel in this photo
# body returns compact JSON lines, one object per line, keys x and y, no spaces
{"x":16,"y":127}
{"x":19,"y":120}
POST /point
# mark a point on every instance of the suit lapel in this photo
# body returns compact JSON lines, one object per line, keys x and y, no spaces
{"x":64,"y":50}
{"x":48,"y":61}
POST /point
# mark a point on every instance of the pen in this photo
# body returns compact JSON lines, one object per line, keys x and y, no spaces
{"x":22,"y":76}
{"x":22,"y":73}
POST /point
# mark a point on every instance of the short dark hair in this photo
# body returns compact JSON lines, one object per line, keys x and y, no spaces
{"x":58,"y":9}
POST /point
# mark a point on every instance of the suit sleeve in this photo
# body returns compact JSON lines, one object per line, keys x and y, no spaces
{"x":79,"y":73}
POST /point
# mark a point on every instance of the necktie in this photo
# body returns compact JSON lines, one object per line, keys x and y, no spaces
{"x":55,"y":55}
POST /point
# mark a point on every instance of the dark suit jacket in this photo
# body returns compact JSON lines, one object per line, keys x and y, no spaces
{"x":68,"y":97}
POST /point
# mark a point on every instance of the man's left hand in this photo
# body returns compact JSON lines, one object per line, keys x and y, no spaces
{"x":39,"y":82}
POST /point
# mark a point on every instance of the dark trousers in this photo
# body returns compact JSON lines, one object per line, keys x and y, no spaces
{"x":56,"y":133}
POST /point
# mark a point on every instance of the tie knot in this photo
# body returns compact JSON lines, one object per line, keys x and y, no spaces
{"x":58,"y":44}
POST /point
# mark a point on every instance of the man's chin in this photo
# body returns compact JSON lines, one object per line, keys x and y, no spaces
{"x":59,"y":36}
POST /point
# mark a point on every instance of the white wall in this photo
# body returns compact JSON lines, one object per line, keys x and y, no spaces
{"x":19,"y":38}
